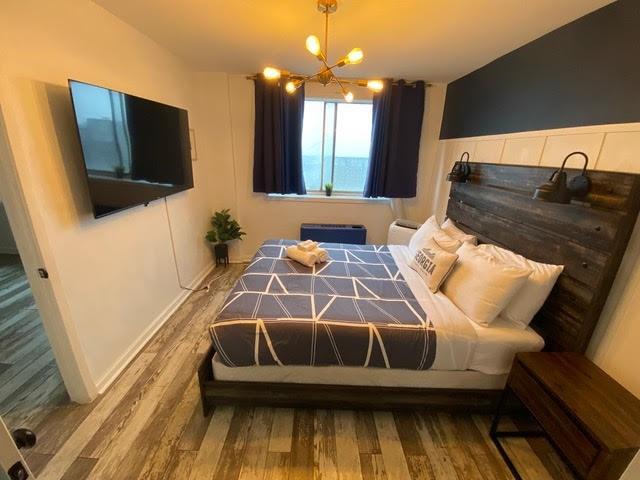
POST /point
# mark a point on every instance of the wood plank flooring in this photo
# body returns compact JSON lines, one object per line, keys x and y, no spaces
{"x":30,"y":383}
{"x":148,"y":425}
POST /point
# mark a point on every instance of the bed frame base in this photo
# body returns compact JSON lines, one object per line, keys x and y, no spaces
{"x":214,"y":392}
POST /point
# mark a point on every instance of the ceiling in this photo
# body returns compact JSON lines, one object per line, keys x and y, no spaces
{"x":437,"y":40}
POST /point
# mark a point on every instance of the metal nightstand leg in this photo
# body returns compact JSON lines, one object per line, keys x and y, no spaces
{"x":496,"y":435}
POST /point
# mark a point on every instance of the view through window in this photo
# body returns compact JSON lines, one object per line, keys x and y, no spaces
{"x":336,"y":137}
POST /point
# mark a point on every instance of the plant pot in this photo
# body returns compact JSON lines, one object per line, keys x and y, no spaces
{"x":221,"y":251}
{"x":328,"y":192}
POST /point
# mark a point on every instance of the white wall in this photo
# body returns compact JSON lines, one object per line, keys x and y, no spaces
{"x":609,"y":147}
{"x":117,"y":273}
{"x":227,"y":112}
{"x":421,"y":207}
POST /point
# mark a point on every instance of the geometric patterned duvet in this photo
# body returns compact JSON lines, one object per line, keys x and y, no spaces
{"x":354,"y":310}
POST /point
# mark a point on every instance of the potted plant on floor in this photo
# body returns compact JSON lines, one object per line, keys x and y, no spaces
{"x":225,"y":229}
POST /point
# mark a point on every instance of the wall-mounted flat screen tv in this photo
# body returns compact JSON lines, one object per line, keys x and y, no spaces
{"x":135,"y":150}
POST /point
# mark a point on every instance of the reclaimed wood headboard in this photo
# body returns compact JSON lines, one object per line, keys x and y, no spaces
{"x":589,"y":238}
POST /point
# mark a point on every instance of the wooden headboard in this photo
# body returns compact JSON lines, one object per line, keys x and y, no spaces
{"x":589,"y":238}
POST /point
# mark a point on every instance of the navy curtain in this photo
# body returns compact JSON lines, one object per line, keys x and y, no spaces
{"x":277,"y":148}
{"x":395,"y":142}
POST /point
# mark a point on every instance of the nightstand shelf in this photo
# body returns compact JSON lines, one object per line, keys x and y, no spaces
{"x":592,"y":421}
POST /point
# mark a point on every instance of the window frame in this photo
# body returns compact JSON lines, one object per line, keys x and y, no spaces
{"x":336,"y":101}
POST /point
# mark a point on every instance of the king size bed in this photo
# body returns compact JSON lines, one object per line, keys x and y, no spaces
{"x":362,"y":329}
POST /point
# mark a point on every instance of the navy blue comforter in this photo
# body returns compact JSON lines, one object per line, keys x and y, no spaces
{"x":354,"y":310}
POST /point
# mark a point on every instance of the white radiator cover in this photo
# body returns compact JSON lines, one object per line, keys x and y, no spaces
{"x":401,"y":231}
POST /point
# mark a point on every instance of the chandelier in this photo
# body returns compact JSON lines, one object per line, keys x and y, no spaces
{"x":326,"y":74}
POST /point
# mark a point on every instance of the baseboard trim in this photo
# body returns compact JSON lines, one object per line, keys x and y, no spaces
{"x":246,"y":259}
{"x":126,"y":358}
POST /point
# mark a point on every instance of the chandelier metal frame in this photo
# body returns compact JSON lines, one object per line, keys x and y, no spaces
{"x":326,"y":74}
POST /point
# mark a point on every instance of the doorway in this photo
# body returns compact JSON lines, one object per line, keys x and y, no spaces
{"x":30,"y":381}
{"x":20,"y":146}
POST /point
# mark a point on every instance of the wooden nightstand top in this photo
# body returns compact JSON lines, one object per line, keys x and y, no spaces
{"x":604,"y":408}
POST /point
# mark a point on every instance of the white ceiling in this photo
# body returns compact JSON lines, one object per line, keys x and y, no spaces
{"x":437,"y":40}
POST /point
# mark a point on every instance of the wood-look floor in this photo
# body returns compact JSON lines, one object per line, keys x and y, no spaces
{"x":30,"y":383}
{"x":149,"y":425}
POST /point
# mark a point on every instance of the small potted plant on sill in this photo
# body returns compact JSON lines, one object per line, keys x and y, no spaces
{"x":328,"y":189}
{"x":225,"y":229}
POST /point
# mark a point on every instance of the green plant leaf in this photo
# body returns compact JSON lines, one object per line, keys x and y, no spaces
{"x":225,"y":228}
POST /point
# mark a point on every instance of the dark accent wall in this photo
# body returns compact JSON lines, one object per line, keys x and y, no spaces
{"x":584,"y":73}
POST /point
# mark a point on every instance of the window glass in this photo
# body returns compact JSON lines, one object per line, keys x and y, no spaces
{"x":336,"y":138}
{"x":353,"y":139}
{"x":312,"y":139}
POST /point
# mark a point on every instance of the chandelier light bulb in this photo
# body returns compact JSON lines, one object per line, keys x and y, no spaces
{"x":290,"y":87}
{"x":375,"y":85}
{"x":271,"y":73}
{"x":326,"y":74}
{"x":313,"y":45}
{"x":355,"y":56}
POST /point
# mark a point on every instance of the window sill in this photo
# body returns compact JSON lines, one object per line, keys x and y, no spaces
{"x":317,"y":198}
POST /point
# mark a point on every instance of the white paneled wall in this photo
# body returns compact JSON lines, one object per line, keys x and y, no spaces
{"x":557,"y":147}
{"x":488,"y":150}
{"x":609,"y":147}
{"x":620,"y":152}
{"x":523,"y":151}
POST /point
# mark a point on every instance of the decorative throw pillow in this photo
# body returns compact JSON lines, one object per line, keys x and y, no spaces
{"x":526,"y":303}
{"x":430,"y":229}
{"x":482,"y":286}
{"x":452,"y":230}
{"x":433,"y":263}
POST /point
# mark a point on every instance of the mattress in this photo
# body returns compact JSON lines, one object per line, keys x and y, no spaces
{"x":354,"y":310}
{"x":369,"y":377}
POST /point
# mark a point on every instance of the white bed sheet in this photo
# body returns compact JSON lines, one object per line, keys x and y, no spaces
{"x":491,"y":349}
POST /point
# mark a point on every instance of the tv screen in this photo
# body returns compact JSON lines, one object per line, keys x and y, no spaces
{"x":135,"y":150}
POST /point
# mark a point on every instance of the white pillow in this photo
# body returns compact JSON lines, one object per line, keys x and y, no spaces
{"x":526,"y":303}
{"x":428,"y":230}
{"x":450,"y":229}
{"x":446,"y":242}
{"x":482,"y":286}
{"x":433,"y":263}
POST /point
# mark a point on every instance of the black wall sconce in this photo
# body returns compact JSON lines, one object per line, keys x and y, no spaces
{"x":460,"y":171}
{"x":557,"y":189}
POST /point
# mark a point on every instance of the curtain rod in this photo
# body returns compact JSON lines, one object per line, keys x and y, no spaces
{"x":362,"y":82}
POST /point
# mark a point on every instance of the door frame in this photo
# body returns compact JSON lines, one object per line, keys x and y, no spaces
{"x":17,"y":151}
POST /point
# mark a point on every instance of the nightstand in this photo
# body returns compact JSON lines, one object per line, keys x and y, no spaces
{"x":591,"y":420}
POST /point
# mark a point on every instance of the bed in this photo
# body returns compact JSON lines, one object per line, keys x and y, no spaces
{"x":361,"y":330}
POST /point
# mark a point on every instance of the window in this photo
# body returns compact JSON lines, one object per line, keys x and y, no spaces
{"x":336,"y":137}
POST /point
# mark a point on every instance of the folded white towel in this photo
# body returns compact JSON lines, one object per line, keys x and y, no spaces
{"x":307,"y":245}
{"x":322,"y":255}
{"x":308,"y":259}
